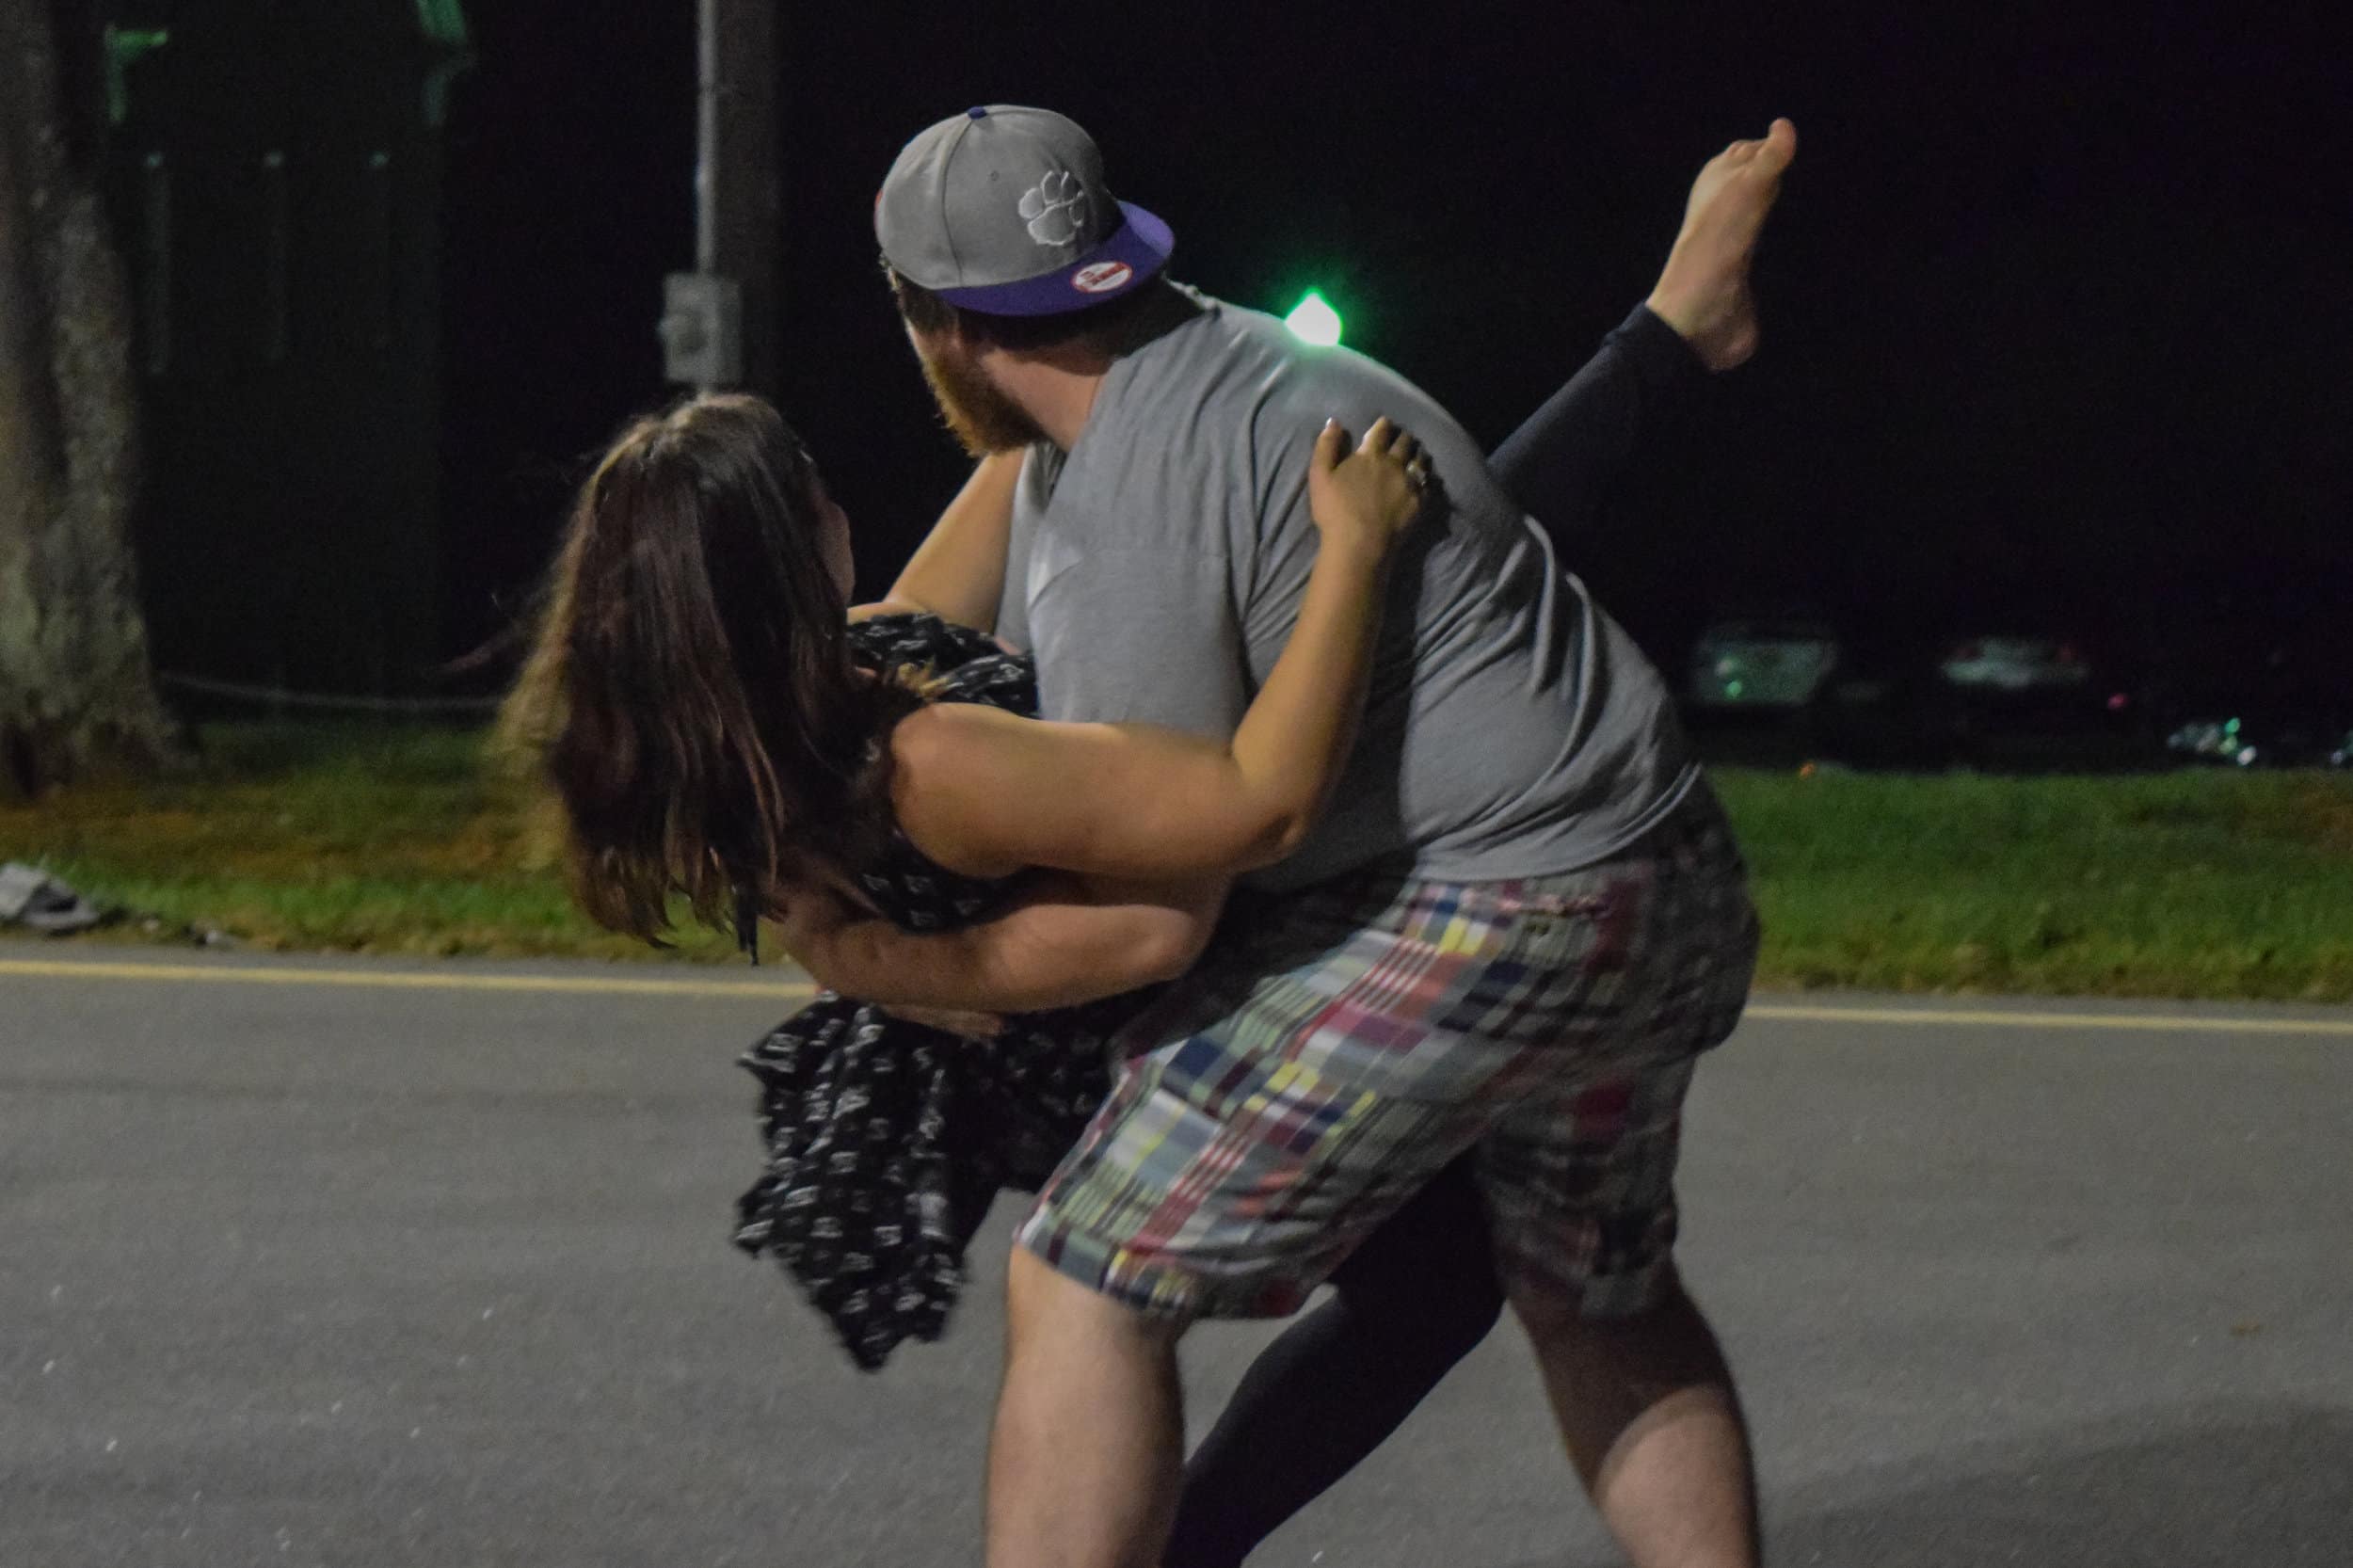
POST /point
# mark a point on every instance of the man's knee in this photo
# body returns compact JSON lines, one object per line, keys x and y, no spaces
{"x":1552,"y":1311}
{"x":1548,"y":1310}
{"x":1045,"y":1305}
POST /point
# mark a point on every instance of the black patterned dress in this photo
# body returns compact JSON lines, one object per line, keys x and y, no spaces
{"x":887,"y":1141}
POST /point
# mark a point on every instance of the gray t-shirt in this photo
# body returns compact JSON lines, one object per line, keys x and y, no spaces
{"x":1156,"y":570}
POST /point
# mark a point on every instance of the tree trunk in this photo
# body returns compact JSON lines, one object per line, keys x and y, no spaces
{"x":76,"y":695}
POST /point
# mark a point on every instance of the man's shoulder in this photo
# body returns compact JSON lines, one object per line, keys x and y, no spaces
{"x":1289,"y":380}
{"x":1214,"y":352}
{"x":1179,"y":411}
{"x":1218,"y":415}
{"x":1222,"y":350}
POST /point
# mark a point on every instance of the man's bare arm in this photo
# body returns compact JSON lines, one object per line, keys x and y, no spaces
{"x":1069,"y":940}
{"x":958,"y":572}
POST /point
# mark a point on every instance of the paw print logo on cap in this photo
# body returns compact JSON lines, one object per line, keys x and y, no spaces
{"x":1056,"y":208}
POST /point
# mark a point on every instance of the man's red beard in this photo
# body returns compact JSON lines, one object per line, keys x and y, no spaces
{"x":983,"y":419}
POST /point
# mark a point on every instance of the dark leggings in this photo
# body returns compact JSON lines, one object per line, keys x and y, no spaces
{"x":1421,"y":1290}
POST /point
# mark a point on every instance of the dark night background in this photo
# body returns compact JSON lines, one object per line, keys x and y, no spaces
{"x":2054,"y":305}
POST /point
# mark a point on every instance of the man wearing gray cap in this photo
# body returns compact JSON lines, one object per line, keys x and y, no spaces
{"x":1518,"y":927}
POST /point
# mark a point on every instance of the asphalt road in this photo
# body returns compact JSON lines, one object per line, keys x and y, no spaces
{"x":331,"y":1266}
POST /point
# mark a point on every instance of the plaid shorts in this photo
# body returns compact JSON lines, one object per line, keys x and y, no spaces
{"x":1338,"y":1046}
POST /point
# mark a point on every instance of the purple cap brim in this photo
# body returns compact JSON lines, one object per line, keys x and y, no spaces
{"x":1141,"y":246}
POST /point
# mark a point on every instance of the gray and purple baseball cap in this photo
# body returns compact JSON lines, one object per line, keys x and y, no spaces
{"x":1003,"y":210}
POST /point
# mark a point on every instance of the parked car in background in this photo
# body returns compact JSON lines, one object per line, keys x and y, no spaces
{"x":2213,"y":740}
{"x":2000,"y":697}
{"x":2031,"y":682}
{"x":1763,"y":666}
{"x":2254,"y":666}
{"x":2037,"y":698}
{"x":2263,"y":737}
{"x":2014,"y":665}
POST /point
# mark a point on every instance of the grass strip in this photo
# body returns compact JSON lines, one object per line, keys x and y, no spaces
{"x":2195,"y":884}
{"x":2206,"y":884}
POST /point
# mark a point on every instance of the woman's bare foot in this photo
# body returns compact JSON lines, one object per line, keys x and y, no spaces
{"x":1703,"y":291}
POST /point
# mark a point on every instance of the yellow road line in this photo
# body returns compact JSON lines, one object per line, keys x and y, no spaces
{"x":798,"y":991}
{"x":249,"y":974}
{"x":1991,"y":1018}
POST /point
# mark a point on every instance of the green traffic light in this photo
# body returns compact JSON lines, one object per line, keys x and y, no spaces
{"x":1313,"y":320}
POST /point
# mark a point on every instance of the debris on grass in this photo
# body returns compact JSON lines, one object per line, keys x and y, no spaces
{"x":33,"y":898}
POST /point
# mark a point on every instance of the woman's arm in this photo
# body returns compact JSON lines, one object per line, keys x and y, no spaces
{"x":958,"y":572}
{"x":1069,"y":940}
{"x":986,"y":794}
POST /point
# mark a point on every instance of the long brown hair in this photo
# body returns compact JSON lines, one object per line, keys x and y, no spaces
{"x":691,"y":696}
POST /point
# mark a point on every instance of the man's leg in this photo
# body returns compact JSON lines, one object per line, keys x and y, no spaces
{"x":1653,"y":1424}
{"x":1300,"y":1099}
{"x":1580,"y":1192}
{"x":1083,"y":1462}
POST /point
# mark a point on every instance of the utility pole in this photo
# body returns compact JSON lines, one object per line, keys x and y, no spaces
{"x":719,"y":322}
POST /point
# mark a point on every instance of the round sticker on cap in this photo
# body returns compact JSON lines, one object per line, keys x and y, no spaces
{"x":1101,"y":278}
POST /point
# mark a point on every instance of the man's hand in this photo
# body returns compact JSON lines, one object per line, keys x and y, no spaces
{"x":811,"y":921}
